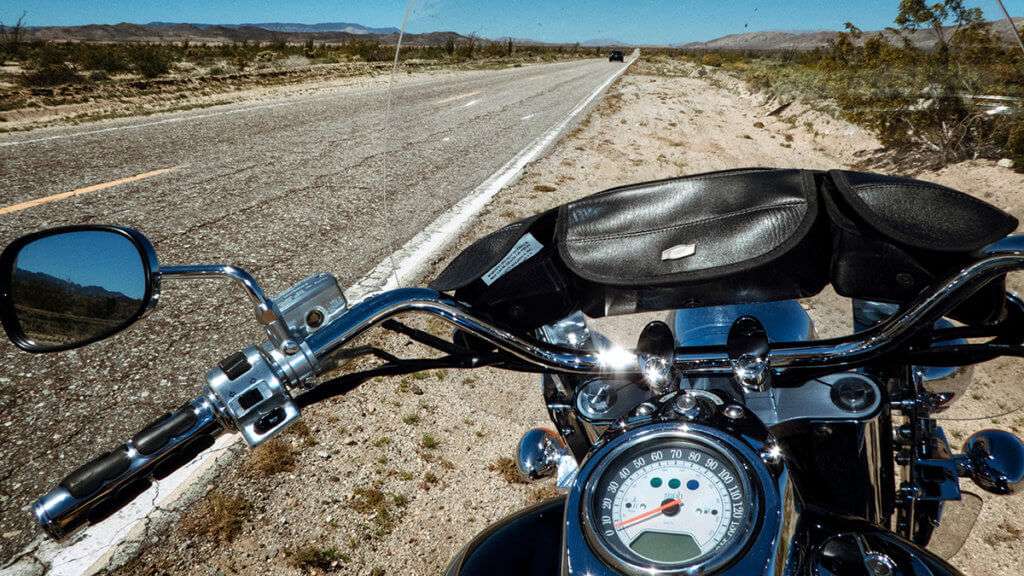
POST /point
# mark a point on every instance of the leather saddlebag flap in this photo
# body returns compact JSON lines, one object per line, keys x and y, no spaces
{"x":717,"y":238}
{"x":513,"y":274}
{"x":893,"y":237}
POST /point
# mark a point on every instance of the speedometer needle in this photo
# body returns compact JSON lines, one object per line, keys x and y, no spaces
{"x":665,"y":506}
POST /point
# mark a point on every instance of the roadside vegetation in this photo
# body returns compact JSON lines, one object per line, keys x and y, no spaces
{"x":36,"y":75}
{"x":928,"y":106}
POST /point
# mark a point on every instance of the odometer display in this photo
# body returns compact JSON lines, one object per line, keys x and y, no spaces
{"x":670,"y":503}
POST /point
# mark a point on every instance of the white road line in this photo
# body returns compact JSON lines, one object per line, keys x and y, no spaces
{"x":412,"y":260}
{"x":93,"y":548}
{"x":456,"y":97}
{"x":288,"y":101}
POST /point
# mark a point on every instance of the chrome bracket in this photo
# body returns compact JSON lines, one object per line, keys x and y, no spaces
{"x":748,"y":348}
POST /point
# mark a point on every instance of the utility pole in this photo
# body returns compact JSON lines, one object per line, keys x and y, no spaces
{"x":1013,"y":26}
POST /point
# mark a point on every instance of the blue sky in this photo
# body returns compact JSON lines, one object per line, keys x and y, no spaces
{"x":88,"y":258}
{"x":635,"y":21}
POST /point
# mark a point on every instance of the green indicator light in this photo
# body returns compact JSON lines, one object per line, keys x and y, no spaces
{"x":673,"y":483}
{"x":656,"y":482}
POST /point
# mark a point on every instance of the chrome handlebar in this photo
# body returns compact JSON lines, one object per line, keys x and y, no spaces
{"x":163,"y":444}
{"x":1001,"y":258}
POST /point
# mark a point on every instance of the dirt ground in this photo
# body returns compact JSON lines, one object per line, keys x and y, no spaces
{"x":395,"y":477}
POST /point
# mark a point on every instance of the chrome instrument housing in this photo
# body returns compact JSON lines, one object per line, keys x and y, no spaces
{"x":769,"y":525}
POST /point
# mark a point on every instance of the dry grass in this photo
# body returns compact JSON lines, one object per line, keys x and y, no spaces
{"x":316,"y":558}
{"x":218,"y":517}
{"x":430,"y":442}
{"x":380,"y":506}
{"x":507,"y":469}
{"x":273,"y":457}
{"x":542,"y":493}
{"x":301,"y":431}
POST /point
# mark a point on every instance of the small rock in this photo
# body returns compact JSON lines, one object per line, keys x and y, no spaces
{"x":1005,"y":163}
{"x":323,"y":454}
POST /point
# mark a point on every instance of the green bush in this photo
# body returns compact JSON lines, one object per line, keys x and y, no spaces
{"x":712,"y":59}
{"x":368,"y":50}
{"x":150,"y":61}
{"x":50,"y":69}
{"x":109,"y":58}
{"x":1015,"y":144}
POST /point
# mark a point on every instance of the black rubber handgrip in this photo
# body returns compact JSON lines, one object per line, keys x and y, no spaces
{"x":156,"y":435}
{"x":91,"y":476}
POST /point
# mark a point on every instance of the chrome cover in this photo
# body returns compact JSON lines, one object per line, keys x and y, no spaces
{"x":541,"y":454}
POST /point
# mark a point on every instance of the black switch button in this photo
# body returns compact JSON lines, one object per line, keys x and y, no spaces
{"x":251,"y":398}
{"x":235,"y":365}
{"x":270,"y":420}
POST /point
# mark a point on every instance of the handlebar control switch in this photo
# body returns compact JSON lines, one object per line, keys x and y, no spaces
{"x":249,"y":393}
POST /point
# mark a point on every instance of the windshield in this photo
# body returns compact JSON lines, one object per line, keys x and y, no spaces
{"x":496,"y":115}
{"x":376,"y":139}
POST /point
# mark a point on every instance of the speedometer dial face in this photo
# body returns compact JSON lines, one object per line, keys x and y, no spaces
{"x":670,"y":504}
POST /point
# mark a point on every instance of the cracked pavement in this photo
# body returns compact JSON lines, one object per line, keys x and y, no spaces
{"x":284,"y":189}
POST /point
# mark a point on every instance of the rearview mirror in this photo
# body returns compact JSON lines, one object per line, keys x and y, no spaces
{"x":68,"y":287}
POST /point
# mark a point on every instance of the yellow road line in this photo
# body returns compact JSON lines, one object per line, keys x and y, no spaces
{"x":86,"y":190}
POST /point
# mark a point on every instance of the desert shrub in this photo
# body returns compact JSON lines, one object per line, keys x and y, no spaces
{"x":150,"y":61}
{"x":911,"y":97}
{"x":109,"y":58}
{"x":50,"y":69}
{"x":711,"y":59}
{"x":1014,"y":145}
{"x":368,"y":50}
{"x":12,"y":39}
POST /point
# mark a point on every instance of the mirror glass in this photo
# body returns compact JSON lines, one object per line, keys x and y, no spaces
{"x":74,"y":287}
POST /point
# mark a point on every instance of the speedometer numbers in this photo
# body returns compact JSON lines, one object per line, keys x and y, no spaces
{"x":669,"y":503}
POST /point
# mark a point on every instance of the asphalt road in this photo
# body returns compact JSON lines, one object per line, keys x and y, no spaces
{"x":284,"y":188}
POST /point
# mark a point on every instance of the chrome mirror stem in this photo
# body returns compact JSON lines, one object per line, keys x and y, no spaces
{"x":267,"y":313}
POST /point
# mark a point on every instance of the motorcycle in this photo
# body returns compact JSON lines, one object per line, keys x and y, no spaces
{"x":729,"y":440}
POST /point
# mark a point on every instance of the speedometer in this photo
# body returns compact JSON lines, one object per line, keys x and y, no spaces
{"x":670,"y":503}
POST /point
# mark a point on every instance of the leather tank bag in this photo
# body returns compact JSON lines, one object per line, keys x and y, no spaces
{"x":730,"y":237}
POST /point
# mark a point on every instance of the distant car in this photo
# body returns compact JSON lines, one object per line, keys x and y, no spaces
{"x":616,"y":56}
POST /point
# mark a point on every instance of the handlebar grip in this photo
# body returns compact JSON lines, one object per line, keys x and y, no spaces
{"x":111,"y":480}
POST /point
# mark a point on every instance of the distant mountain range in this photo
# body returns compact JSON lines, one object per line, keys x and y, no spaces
{"x":348,"y":31}
{"x":817,"y":39}
{"x":217,"y":33}
{"x":347,"y":27}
